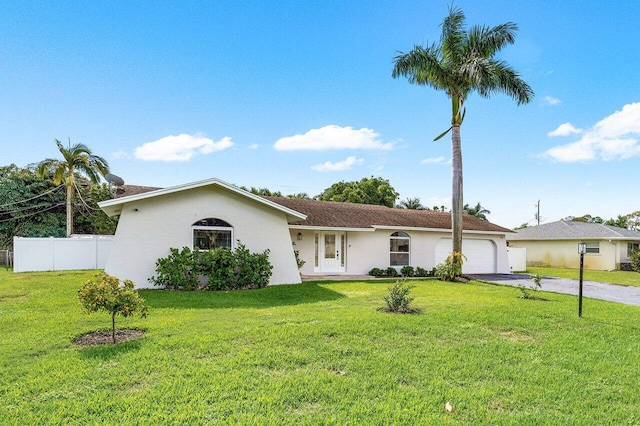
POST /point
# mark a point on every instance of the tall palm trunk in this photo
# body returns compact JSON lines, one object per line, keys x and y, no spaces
{"x":456,"y":190}
{"x":69,"y":211}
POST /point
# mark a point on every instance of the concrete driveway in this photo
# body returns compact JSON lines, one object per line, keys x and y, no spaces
{"x":611,"y":292}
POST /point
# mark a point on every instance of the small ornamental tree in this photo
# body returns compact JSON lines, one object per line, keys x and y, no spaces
{"x":106,"y":293}
{"x":634,"y":260}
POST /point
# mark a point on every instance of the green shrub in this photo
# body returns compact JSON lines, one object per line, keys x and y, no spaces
{"x":376,"y":272}
{"x":105,"y":293}
{"x":407,"y":271}
{"x":634,"y":260}
{"x":451,"y":268}
{"x":179,"y":270}
{"x":421,"y":272}
{"x":398,"y":299}
{"x":391,"y":272}
{"x":221,"y":269}
{"x":537,"y":285}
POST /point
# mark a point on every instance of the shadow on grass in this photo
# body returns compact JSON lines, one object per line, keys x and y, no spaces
{"x":108,"y":351}
{"x":277,"y":295}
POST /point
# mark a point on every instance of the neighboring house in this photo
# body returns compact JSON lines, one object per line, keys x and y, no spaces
{"x":556,"y":244}
{"x":332,"y":238}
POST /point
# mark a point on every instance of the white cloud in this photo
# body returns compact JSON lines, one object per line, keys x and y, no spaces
{"x":433,"y":160}
{"x":180,"y":148}
{"x":550,"y":100}
{"x":615,"y":137}
{"x":338,"y":166}
{"x":333,"y":137}
{"x":254,"y":146}
{"x":565,"y":129}
{"x":119,"y":154}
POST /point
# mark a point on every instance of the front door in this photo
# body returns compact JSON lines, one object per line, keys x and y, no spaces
{"x":331,"y":251}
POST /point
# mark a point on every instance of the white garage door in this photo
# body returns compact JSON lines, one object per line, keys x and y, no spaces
{"x":481,"y":255}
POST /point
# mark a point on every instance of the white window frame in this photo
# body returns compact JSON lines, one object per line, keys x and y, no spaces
{"x":400,"y":235}
{"x":211,"y":228}
{"x":593,"y":247}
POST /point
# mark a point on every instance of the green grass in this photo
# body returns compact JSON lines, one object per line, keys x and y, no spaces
{"x":612,"y":277}
{"x":318,"y":353}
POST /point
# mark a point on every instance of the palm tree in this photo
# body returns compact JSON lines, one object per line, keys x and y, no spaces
{"x":78,"y":158}
{"x":411,"y":204}
{"x":477,"y":211}
{"x":463,"y":62}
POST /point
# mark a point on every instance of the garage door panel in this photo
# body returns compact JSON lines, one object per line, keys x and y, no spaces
{"x":480,"y":255}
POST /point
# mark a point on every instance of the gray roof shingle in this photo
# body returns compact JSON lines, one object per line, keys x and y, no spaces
{"x":569,"y":230}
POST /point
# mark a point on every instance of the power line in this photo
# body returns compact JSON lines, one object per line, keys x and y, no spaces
{"x":32,"y":214}
{"x":32,"y":198}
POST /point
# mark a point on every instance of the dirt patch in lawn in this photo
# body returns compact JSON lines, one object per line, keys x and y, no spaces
{"x":96,"y":338}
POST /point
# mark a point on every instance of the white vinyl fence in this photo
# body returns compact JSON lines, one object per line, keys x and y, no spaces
{"x":59,"y":254}
{"x":517,"y":258}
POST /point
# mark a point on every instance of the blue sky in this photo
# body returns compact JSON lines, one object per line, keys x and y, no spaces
{"x":295,"y":96}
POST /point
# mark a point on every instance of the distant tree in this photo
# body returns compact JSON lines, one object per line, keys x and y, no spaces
{"x":300,"y":196}
{"x":78,"y":161}
{"x":438,"y":208}
{"x":263,"y":192}
{"x":411,"y":204}
{"x":633,"y":221}
{"x":587,"y":218}
{"x":33,"y":207}
{"x":524,"y":225}
{"x":29,"y":206}
{"x":477,"y":211}
{"x":463,"y":62}
{"x":620,"y":222}
{"x":373,"y":190}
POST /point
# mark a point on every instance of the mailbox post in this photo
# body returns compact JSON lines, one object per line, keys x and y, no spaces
{"x":582,"y":249}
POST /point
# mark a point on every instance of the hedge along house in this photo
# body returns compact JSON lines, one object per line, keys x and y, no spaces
{"x":556,"y":244}
{"x":332,"y":238}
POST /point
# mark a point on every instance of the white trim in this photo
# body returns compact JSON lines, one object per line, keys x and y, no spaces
{"x":330,"y":228}
{"x":114,"y":206}
{"x":415,"y":228}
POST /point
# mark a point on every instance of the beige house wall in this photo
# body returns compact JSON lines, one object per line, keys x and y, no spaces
{"x":564,"y":254}
{"x":149,"y":227}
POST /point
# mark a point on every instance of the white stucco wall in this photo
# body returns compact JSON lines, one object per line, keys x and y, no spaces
{"x":149,"y":227}
{"x":564,"y":254}
{"x":370,"y":249}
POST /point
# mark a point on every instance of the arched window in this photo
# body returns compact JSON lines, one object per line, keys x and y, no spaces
{"x":212,"y":233}
{"x":399,"y":250}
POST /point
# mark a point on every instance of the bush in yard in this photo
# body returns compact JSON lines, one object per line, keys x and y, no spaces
{"x":451,"y":268}
{"x":376,"y":272}
{"x":537,"y":285}
{"x":407,"y":271}
{"x":177,"y":271}
{"x":398,"y":299}
{"x":391,"y":272}
{"x":220,"y":269}
{"x":106,"y":293}
{"x":634,"y":260}
{"x":421,"y":272}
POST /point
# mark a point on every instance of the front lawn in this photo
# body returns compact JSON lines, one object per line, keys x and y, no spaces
{"x":318,"y":353}
{"x":612,"y":277}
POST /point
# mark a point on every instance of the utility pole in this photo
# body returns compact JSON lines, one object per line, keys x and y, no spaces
{"x":538,"y":212}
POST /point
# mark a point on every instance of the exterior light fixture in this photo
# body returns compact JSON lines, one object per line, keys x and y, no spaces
{"x":582,"y":249}
{"x":299,"y":236}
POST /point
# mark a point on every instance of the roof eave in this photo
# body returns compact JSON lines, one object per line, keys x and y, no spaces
{"x":114,"y":206}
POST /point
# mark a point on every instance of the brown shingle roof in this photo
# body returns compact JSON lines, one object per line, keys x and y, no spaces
{"x":127,"y":190}
{"x":350,"y":215}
